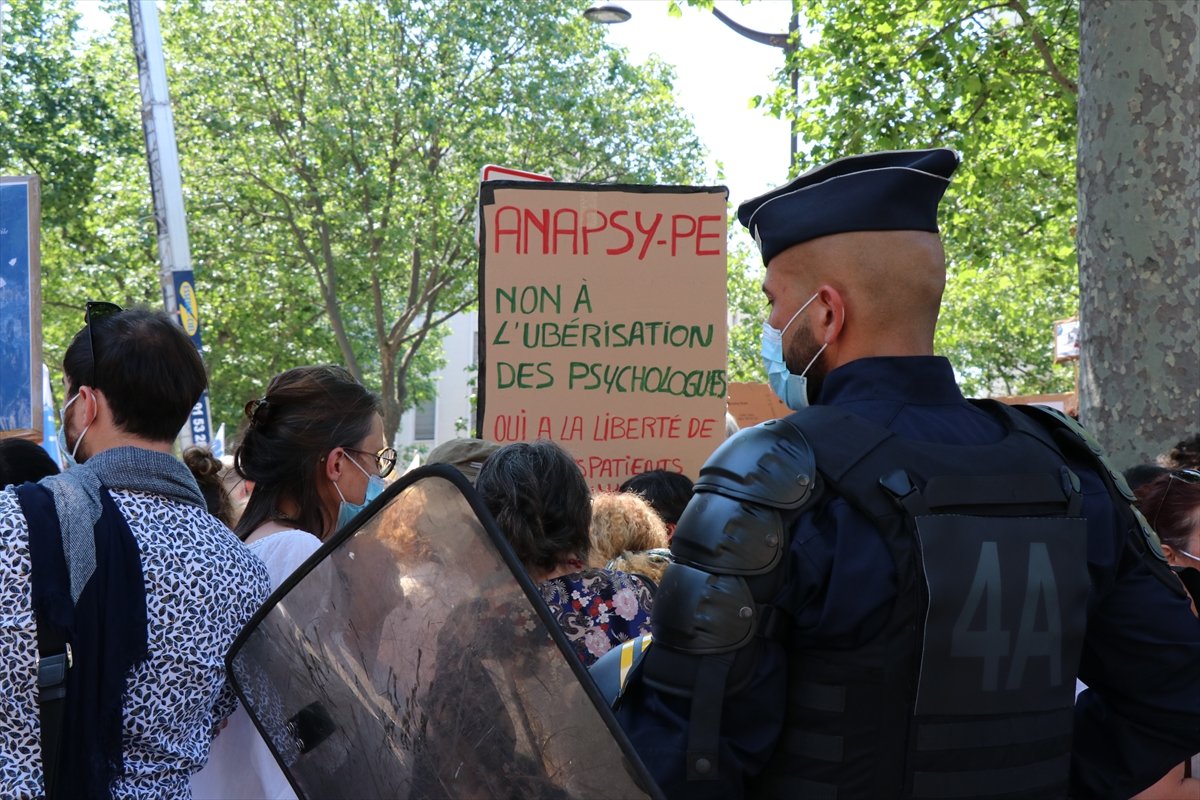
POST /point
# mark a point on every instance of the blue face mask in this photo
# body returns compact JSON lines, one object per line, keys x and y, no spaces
{"x":791,"y":389}
{"x":347,"y":510}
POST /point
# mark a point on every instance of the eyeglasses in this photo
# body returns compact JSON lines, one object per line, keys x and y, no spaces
{"x":94,"y":311}
{"x":1183,"y":476}
{"x":385,"y":459}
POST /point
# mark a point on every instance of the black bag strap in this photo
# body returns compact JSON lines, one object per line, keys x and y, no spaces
{"x":54,"y":652}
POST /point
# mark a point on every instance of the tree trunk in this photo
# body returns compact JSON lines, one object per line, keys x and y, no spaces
{"x":391,"y":404}
{"x":1139,"y":257}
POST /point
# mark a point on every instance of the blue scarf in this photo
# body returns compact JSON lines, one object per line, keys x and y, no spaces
{"x":88,"y":583}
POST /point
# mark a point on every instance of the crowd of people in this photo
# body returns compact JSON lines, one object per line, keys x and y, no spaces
{"x":887,"y":594}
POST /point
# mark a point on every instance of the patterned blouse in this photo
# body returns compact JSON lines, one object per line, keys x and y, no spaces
{"x":202,"y":586}
{"x":599,"y":608}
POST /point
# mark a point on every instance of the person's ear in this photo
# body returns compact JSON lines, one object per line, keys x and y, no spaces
{"x":833,"y":313}
{"x":89,"y":400}
{"x":333,"y":464}
{"x":1172,"y":559}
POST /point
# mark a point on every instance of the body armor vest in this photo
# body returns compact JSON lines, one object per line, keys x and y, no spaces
{"x":967,"y":691}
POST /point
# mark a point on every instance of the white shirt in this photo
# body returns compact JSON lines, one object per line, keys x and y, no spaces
{"x":240,"y":766}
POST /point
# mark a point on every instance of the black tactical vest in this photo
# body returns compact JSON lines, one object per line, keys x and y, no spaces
{"x":967,"y":690}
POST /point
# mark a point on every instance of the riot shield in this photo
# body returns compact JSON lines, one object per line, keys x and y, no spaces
{"x":412,"y":657}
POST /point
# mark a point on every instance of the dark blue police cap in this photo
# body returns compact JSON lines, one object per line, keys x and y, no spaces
{"x":895,"y":190}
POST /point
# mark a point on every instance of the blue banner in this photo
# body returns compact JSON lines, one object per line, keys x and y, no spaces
{"x":187,"y":310}
{"x":20,"y":372}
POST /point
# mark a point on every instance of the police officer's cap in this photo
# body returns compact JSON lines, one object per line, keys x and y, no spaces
{"x":895,"y":190}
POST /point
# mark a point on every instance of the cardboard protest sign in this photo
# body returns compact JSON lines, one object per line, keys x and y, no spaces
{"x":752,"y":403}
{"x":20,"y":309}
{"x":603,"y":323}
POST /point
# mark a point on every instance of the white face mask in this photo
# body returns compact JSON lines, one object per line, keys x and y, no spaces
{"x":69,"y":458}
{"x":791,"y":389}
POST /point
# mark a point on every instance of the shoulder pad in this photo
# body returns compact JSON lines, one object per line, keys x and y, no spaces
{"x":1153,"y":543}
{"x":1055,"y":419}
{"x":1150,"y":543}
{"x":770,"y":464}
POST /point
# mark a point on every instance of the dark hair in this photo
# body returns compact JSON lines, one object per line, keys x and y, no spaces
{"x":668,"y":493}
{"x":1172,"y":507}
{"x":147,"y":367}
{"x":22,"y":460}
{"x":539,"y":498}
{"x":206,"y":468}
{"x":1138,"y":476}
{"x":305,"y":413}
{"x":1185,"y":454}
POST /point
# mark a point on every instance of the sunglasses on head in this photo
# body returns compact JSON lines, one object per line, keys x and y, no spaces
{"x":94,"y":311}
{"x":1181,"y":475}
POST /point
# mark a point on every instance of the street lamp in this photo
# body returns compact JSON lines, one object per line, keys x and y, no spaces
{"x":606,"y":14}
{"x":786,"y":42}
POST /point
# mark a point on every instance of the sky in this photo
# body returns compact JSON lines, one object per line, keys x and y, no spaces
{"x":717,"y":73}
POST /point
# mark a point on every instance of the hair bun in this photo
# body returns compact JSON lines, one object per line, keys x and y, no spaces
{"x":257,"y":411}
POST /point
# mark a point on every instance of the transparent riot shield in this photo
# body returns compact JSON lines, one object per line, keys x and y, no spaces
{"x":411,"y":657}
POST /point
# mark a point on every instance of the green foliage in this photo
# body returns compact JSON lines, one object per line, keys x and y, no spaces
{"x":747,"y":311}
{"x":332,"y":151}
{"x":67,"y":114}
{"x":996,"y":82}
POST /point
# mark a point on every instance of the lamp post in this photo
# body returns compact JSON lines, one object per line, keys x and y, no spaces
{"x":609,"y":14}
{"x":606,"y":14}
{"x":785,"y":42}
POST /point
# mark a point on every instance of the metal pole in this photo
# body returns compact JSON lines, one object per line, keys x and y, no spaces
{"x":166,"y":190}
{"x":786,"y":43}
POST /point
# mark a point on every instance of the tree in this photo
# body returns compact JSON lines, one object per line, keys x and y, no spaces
{"x":1139,"y":191}
{"x":995,"y":80}
{"x":64,"y":118}
{"x":747,"y":312}
{"x":331,"y":151}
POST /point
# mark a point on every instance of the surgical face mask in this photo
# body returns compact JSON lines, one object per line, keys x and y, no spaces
{"x":791,"y":389}
{"x":68,"y":458}
{"x":347,"y":510}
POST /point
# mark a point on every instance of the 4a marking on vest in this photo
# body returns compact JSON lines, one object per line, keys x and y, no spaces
{"x":993,"y":643}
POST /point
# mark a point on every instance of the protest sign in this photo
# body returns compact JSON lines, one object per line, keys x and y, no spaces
{"x":753,"y":403}
{"x":1066,"y":340}
{"x":20,"y":309}
{"x":603,"y":323}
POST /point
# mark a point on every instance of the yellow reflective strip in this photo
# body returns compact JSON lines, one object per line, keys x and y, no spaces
{"x":626,"y":662}
{"x":646,"y":641}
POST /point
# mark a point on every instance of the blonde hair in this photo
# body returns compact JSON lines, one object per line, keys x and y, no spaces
{"x":649,"y":564}
{"x":623,"y":522}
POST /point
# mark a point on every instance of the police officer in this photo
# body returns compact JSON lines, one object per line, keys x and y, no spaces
{"x":890,"y":593}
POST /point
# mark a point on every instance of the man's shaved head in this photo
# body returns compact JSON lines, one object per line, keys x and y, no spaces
{"x":891,"y":281}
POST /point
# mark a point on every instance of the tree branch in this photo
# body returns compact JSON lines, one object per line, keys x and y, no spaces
{"x":1043,"y":48}
{"x":936,"y":34}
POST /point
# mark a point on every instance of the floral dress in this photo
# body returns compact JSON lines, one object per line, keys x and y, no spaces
{"x":599,"y":608}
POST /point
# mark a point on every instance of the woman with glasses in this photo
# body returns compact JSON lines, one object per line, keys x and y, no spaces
{"x":314,"y":451}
